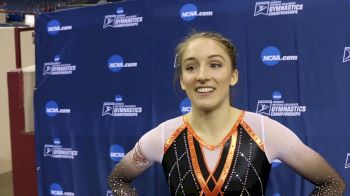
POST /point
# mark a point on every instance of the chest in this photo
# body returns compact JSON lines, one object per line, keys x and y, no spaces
{"x":238,"y":166}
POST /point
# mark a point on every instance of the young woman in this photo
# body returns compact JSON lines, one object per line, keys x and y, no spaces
{"x":217,"y":149}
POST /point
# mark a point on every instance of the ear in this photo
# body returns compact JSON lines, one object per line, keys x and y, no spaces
{"x":182,"y":84}
{"x":234,"y":78}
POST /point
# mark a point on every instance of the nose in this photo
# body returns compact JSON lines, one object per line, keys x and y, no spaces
{"x":202,"y":74}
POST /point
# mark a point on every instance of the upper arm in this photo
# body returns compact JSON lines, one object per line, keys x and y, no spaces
{"x":148,"y":149}
{"x":284,"y":145}
{"x":132,"y":165}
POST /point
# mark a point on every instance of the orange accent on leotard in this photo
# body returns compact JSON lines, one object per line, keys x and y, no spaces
{"x":253,"y":135}
{"x":173,"y":136}
{"x":223,"y":141}
{"x":228,"y":162}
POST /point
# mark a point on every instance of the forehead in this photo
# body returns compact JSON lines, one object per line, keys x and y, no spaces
{"x":204,"y":47}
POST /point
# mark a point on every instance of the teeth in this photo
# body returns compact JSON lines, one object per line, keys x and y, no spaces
{"x":204,"y":90}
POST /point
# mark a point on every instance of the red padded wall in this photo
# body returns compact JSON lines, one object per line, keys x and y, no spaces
{"x":22,"y":144}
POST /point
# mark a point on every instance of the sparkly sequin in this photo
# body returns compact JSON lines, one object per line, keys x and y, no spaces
{"x":229,"y":174}
{"x":241,"y":168}
{"x":170,"y":140}
{"x":253,"y":135}
{"x":120,"y":187}
{"x":245,"y":155}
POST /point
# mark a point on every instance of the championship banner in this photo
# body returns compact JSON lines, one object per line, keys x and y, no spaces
{"x":104,"y":77}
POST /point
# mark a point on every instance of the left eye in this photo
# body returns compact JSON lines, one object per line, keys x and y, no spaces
{"x":215,"y":65}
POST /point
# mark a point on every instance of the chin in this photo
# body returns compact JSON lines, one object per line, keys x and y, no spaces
{"x":206,"y":107}
{"x":209,"y":105}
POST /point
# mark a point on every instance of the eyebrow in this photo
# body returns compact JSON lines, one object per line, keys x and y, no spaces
{"x":189,"y":59}
{"x":217,"y":55}
{"x":211,"y":56}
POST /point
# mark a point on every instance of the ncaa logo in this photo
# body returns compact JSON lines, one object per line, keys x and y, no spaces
{"x":276,"y":194}
{"x":185,"y":106}
{"x":119,"y":10}
{"x":57,"y":141}
{"x":56,"y":58}
{"x":118,"y":98}
{"x":115,"y":63}
{"x":270,"y":55}
{"x":56,"y":189}
{"x":51,"y":108}
{"x":276,"y":95}
{"x":53,"y":27}
{"x":109,"y":193}
{"x":116,"y":152}
{"x":276,"y":163}
{"x":188,"y":12}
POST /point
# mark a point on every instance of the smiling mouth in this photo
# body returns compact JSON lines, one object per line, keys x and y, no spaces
{"x":204,"y":89}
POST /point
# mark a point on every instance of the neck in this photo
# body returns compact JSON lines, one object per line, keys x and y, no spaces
{"x":215,"y":122}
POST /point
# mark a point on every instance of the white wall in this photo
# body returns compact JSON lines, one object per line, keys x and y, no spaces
{"x":27,"y":49}
{"x":28,"y":61}
{"x":7,"y":62}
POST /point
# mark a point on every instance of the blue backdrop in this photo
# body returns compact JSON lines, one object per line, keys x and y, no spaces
{"x":104,"y":77}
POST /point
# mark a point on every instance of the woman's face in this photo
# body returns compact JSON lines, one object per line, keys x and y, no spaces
{"x":207,"y":74}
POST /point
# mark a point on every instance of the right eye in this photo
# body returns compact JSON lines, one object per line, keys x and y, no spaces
{"x":190,"y":67}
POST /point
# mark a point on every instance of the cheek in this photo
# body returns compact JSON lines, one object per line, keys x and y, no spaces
{"x":184,"y":81}
{"x":224,"y":78}
{"x":186,"y":77}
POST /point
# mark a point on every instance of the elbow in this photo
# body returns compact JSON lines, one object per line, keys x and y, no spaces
{"x":334,"y":187}
{"x":116,"y":180}
{"x":120,"y":185}
{"x":342,"y":185}
{"x":339,"y":186}
{"x":111,"y":179}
